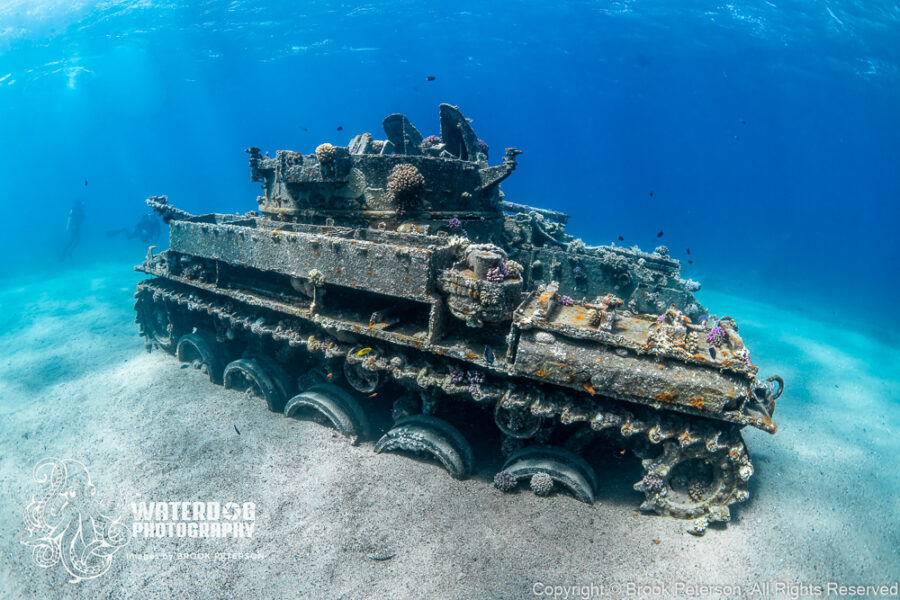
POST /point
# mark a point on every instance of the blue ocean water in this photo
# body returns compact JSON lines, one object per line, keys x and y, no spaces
{"x":761,"y":135}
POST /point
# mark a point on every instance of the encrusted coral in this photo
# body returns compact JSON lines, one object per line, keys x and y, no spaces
{"x":653,"y":483}
{"x":325,"y":153}
{"x":406,"y":184}
{"x":457,"y":375}
{"x":475,"y":378}
{"x":696,"y":490}
{"x":498,"y":273}
{"x":505,"y":481}
{"x":490,"y":297}
{"x":691,"y":344}
{"x":577,"y":246}
{"x":355,"y":186}
{"x":541,"y":484}
{"x":613,"y":261}
{"x":716,"y":336}
{"x":317,"y":277}
{"x":579,"y":274}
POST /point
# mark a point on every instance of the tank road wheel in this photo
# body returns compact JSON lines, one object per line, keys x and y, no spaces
{"x":249,"y":374}
{"x":362,"y":380}
{"x":157,"y":324}
{"x":336,"y":405}
{"x":311,"y":378}
{"x":697,"y":481}
{"x":285,"y":383}
{"x":538,"y":463}
{"x":519,"y":424}
{"x":202,"y":350}
{"x":431,"y":436}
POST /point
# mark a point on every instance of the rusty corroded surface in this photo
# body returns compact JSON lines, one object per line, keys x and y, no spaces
{"x":398,"y":261}
{"x":647,"y":282}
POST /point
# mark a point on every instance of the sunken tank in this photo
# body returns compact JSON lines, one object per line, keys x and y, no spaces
{"x":389,"y":280}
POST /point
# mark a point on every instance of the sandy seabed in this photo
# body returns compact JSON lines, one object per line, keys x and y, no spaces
{"x":338,"y":521}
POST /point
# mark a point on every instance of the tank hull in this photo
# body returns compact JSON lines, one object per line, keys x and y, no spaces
{"x":405,"y":276}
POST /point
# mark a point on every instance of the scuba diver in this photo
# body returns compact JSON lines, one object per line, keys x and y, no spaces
{"x":147,"y":229}
{"x":73,"y":227}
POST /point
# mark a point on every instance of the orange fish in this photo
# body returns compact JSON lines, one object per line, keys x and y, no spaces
{"x":589,"y":388}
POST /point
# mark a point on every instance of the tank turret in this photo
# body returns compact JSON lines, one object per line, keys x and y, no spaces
{"x":400,"y":183}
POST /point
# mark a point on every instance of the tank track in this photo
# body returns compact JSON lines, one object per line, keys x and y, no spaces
{"x":693,"y":468}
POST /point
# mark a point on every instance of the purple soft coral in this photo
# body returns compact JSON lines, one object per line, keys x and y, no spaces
{"x":498,"y":273}
{"x":717,"y":336}
{"x":565,"y":300}
{"x":431,"y":140}
{"x":475,"y":379}
{"x":457,"y":375}
{"x":454,"y":223}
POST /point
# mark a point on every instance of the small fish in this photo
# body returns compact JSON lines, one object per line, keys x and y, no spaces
{"x":380,"y":556}
{"x":737,"y":138}
{"x":651,"y":193}
{"x":236,"y":430}
{"x":364,"y":351}
{"x":302,"y":128}
{"x":621,"y":239}
{"x":489,"y":355}
{"x":712,"y":353}
{"x":660,"y":234}
{"x":340,"y":127}
{"x":621,"y":452}
{"x":85,"y":183}
{"x":743,"y":122}
{"x":330,"y":375}
{"x":690,"y":262}
{"x":373,"y":394}
{"x":688,"y":250}
{"x":430,"y":78}
{"x":590,"y":389}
